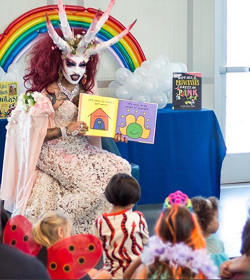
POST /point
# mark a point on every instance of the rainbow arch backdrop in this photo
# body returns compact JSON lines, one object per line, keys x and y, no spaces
{"x":21,"y":34}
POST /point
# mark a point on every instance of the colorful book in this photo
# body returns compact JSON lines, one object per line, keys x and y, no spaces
{"x":8,"y":98}
{"x":187,"y":91}
{"x":106,"y":117}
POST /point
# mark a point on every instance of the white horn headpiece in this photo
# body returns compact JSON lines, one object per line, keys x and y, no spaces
{"x":85,"y":44}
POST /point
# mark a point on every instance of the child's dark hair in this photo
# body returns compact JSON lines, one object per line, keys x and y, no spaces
{"x":205,"y":210}
{"x":123,"y":190}
{"x":245,"y":238}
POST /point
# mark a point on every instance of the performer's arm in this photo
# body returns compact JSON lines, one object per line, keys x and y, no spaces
{"x":53,"y":133}
{"x":59,"y":97}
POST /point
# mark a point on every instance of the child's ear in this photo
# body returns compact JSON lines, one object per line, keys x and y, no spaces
{"x":60,"y":232}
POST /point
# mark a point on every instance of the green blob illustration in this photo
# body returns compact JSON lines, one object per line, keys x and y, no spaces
{"x":99,"y":125}
{"x":134,"y":130}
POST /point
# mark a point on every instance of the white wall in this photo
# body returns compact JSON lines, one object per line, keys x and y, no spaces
{"x":181,"y":29}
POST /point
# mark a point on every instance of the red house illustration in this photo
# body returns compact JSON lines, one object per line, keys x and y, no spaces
{"x":99,"y":120}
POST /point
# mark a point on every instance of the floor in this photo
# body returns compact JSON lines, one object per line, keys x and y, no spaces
{"x":232,"y":215}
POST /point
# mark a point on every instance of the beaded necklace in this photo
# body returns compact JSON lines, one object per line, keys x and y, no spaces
{"x":70,"y":94}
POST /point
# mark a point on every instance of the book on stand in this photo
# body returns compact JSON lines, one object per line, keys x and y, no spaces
{"x":8,"y":98}
{"x":107,"y":116}
{"x":187,"y":91}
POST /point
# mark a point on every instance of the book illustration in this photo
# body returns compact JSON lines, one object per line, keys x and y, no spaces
{"x":107,"y":116}
{"x":12,"y":89}
{"x":99,"y":120}
{"x":99,"y":113}
{"x":136,"y":120}
{"x":8,"y":98}
{"x":135,"y":128}
{"x":187,"y":91}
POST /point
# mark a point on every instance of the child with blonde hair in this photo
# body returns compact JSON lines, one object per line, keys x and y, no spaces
{"x":54,"y":226}
{"x":50,"y":228}
{"x":207,"y":213}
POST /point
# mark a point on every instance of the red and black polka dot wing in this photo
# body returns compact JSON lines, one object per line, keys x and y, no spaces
{"x":73,"y":257}
{"x":18,"y":234}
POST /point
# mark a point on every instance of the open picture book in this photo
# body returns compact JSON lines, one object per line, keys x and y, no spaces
{"x":107,"y":116}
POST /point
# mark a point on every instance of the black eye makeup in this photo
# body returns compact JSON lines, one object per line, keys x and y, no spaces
{"x":83,"y":64}
{"x":70,"y":63}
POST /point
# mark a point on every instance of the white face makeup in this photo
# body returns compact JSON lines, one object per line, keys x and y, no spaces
{"x":74,"y":68}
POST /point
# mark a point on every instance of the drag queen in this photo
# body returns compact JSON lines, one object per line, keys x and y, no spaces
{"x":49,"y":164}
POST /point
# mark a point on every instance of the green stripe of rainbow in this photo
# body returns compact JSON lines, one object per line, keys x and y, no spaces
{"x":26,"y":28}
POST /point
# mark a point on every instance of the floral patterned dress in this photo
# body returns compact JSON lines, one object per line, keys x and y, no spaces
{"x":72,"y":176}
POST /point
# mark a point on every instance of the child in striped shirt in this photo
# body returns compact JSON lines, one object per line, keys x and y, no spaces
{"x":122,"y":232}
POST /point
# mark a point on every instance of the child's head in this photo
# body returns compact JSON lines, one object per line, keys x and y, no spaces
{"x":207,"y":213}
{"x":245,"y":239}
{"x":177,"y":224}
{"x":50,"y":228}
{"x":123,"y":190}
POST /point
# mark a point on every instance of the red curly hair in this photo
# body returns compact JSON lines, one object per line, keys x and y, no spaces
{"x":44,"y":61}
{"x":177,"y":224}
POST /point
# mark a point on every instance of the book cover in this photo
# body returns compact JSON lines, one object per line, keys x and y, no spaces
{"x":8,"y":98}
{"x":187,"y":91}
{"x":107,"y":116}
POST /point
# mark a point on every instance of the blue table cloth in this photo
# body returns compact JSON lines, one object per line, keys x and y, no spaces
{"x":187,"y":155}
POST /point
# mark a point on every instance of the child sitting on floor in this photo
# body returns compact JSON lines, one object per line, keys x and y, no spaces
{"x":239,"y":268}
{"x":122,"y":232}
{"x":178,"y":249}
{"x":52,"y":227}
{"x":207,"y":213}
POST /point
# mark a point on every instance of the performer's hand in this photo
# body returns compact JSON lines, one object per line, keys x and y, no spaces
{"x":80,"y":126}
{"x":120,"y":138}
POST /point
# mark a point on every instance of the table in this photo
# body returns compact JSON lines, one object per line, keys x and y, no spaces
{"x":187,"y":155}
